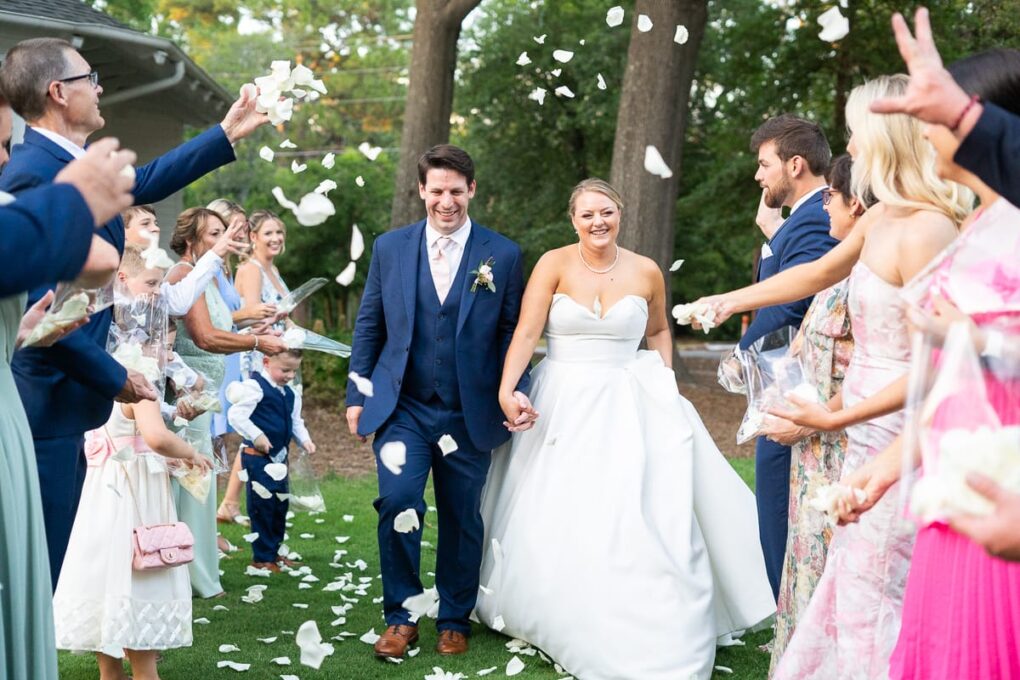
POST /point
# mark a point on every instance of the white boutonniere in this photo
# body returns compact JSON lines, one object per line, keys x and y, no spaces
{"x":483,"y":276}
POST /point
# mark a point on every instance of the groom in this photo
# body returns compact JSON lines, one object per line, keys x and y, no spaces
{"x":436,"y":318}
{"x":793,"y":155}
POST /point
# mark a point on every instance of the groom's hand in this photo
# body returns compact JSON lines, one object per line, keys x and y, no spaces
{"x":523,"y":416}
{"x":353,"y":416}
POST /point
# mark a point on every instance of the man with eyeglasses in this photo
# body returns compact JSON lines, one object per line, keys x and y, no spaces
{"x":69,"y":388}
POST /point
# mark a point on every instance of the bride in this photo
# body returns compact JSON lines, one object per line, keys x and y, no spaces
{"x":619,"y":540}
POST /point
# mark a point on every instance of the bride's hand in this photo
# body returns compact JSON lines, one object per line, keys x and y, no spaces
{"x":528,"y":414}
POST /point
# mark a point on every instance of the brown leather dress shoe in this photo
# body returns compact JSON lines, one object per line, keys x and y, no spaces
{"x":395,"y":641}
{"x":451,"y":642}
{"x":271,"y":566}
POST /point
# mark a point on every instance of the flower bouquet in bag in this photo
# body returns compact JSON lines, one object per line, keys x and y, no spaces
{"x":138,"y":337}
{"x":966,"y":418}
{"x":71,"y":303}
{"x":771,"y":371}
{"x":296,"y":337}
{"x":305,"y":494}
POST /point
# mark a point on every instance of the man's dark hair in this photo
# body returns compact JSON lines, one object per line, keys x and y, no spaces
{"x":795,"y":136}
{"x":27,"y":71}
{"x":446,"y":157}
{"x":994,"y":75}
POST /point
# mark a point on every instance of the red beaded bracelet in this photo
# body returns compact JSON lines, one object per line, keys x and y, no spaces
{"x":974,"y":99}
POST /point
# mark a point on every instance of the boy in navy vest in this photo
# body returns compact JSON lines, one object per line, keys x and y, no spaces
{"x":267,"y":413}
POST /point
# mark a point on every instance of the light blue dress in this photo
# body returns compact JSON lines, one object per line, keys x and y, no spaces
{"x":26,"y":610}
{"x":232,"y":373}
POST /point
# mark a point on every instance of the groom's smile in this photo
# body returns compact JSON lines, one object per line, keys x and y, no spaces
{"x":447,"y":195}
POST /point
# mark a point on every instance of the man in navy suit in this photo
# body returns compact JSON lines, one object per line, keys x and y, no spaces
{"x":431,"y":336}
{"x":69,"y":388}
{"x":792,"y":157}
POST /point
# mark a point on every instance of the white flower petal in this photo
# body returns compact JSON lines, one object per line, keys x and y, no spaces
{"x":226,"y":649}
{"x":538,"y":95}
{"x":314,"y":209}
{"x":654,"y":163}
{"x":370,"y":152}
{"x":296,"y":167}
{"x":276,"y":471}
{"x":498,"y":624}
{"x":260,"y":490}
{"x":447,"y":444}
{"x":283,"y":200}
{"x":600,"y":82}
{"x":676,"y":265}
{"x":514,"y":666}
{"x":406,"y":522}
{"x":523,"y":60}
{"x":359,"y":180}
{"x":267,"y":640}
{"x":357,"y":243}
{"x":614,"y":17}
{"x":202,"y":621}
{"x":422,"y":603}
{"x":486,"y":671}
{"x":540,"y":39}
{"x":394,"y":456}
{"x":682,"y":35}
{"x":267,"y":154}
{"x":252,"y":537}
{"x":287,"y":144}
{"x":242,"y":475}
{"x":294,"y":338}
{"x":234,"y":666}
{"x":364,"y":385}
{"x":724,"y":669}
{"x":834,"y":25}
{"x":349,"y":518}
{"x":564,"y":91}
{"x":329,"y":160}
{"x":281,"y":661}
{"x":370,"y":638}
{"x":556,"y":72}
{"x":644,"y":23}
{"x":313,"y":649}
{"x":563,"y":56}
{"x":325,"y":186}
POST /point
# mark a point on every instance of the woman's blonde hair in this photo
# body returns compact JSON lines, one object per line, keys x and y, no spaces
{"x":260,"y":217}
{"x":599,"y":186}
{"x":226,"y":208}
{"x":895,"y":164}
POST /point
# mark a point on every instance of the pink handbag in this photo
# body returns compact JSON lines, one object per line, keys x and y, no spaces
{"x":160,"y":546}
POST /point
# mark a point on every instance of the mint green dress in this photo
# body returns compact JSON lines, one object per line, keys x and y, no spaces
{"x":26,"y":610}
{"x":201,"y":517}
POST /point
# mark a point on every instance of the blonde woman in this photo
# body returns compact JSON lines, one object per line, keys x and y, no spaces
{"x":258,"y":280}
{"x":853,"y":618}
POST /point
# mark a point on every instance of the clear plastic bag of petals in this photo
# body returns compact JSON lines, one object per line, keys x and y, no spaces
{"x":772,"y":371}
{"x":71,"y":303}
{"x":297,"y":337}
{"x":305,"y":494}
{"x":138,"y":337}
{"x":300,"y":294}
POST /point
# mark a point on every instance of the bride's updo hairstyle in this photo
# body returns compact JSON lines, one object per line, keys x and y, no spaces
{"x":190,"y":225}
{"x":599,"y":186}
{"x":895,"y":164}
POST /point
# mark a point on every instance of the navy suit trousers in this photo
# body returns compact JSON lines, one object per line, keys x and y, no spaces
{"x":458,"y":479}
{"x":772,"y":494}
{"x":61,"y":464}
{"x":268,"y":515}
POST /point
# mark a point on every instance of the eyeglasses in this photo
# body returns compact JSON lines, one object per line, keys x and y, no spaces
{"x":827,"y":195}
{"x":93,"y":77}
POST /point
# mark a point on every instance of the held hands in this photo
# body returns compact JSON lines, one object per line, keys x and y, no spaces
{"x":136,"y":388}
{"x":932,"y":95}
{"x":35,"y":314}
{"x":242,"y":119}
{"x":99,"y":178}
{"x":229,"y":242}
{"x":807,"y":414}
{"x":353,"y":416}
{"x":262,"y":443}
{"x":998,"y":532}
{"x":520,"y":414}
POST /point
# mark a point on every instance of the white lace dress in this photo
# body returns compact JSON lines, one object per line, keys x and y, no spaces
{"x":101,"y":604}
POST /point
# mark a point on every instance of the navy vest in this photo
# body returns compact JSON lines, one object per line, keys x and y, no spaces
{"x":273,"y":414}
{"x":431,"y":368}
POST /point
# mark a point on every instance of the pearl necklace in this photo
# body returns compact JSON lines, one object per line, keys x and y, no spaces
{"x":580,"y":253}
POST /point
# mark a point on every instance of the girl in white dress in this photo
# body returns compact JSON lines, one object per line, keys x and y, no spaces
{"x":619,"y":540}
{"x":101,"y":603}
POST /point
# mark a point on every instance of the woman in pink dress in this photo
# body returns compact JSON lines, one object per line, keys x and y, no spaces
{"x":852,"y":621}
{"x":961,"y":614}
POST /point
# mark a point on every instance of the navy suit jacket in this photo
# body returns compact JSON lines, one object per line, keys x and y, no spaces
{"x":992,"y":151}
{"x":69,"y":388}
{"x":804,"y":237}
{"x":46,"y":235}
{"x":485,"y":325}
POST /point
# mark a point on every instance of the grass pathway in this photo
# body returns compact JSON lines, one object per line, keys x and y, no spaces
{"x":240,"y":624}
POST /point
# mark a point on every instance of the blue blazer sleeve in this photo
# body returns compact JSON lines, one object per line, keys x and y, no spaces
{"x":509,"y":314}
{"x":992,"y":151}
{"x":369,"y":329}
{"x":181,"y":166}
{"x":47,"y":233}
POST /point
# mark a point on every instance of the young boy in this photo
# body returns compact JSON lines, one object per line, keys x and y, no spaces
{"x":266,"y":412}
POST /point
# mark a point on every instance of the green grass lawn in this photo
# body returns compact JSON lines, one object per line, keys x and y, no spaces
{"x":276,"y":616}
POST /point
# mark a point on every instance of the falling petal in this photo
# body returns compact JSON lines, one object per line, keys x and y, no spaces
{"x":515,"y":666}
{"x":556,"y":72}
{"x":406,"y":522}
{"x":252,"y":537}
{"x":329,"y":160}
{"x":614,"y":17}
{"x":540,"y":39}
{"x":276,"y":471}
{"x":644,"y":23}
{"x":313,"y":649}
{"x":447,"y":444}
{"x":562,"y":56}
{"x":287,"y":144}
{"x":538,"y":95}
{"x":296,"y":167}
{"x":523,"y":60}
{"x":364,"y":385}
{"x":394,"y":456}
{"x":267,"y":154}
{"x":359,"y":180}
{"x":283,"y":200}
{"x":654,"y":163}
{"x":422,"y":603}
{"x":682,"y":35}
{"x":314,"y":209}
{"x":325,"y":186}
{"x":498,"y":624}
{"x":370,"y":152}
{"x":600,"y":81}
{"x":346,"y":277}
{"x":243,"y":475}
{"x":834,"y":25}
{"x":564,"y":91}
{"x":676,"y":265}
{"x":261,"y":491}
{"x":357,"y":243}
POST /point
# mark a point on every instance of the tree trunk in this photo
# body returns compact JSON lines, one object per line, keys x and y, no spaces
{"x":653,"y":111}
{"x":429,"y":97}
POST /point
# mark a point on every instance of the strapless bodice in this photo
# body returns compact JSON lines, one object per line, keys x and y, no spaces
{"x":577,"y":334}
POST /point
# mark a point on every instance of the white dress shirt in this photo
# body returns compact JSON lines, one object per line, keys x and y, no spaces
{"x":182,"y":295}
{"x":458,"y":242}
{"x":61,"y":141}
{"x":239,"y":413}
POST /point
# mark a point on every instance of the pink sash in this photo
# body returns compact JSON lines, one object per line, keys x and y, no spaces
{"x":99,"y":446}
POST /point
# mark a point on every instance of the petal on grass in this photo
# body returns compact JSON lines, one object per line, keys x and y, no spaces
{"x":514,"y":666}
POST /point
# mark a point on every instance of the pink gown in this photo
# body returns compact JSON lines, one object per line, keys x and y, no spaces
{"x":850,"y":625}
{"x":961,"y":615}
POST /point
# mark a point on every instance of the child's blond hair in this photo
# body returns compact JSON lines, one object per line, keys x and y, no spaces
{"x":132,"y":263}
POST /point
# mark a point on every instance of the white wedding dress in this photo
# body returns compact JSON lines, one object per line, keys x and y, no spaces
{"x":618,"y":539}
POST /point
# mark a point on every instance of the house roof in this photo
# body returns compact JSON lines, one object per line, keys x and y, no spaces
{"x":133,"y":66}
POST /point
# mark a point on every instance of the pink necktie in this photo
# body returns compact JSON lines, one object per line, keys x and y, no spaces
{"x":440,"y":265}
